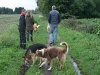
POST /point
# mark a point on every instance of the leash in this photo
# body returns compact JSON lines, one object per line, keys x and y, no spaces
{"x":33,"y":34}
{"x":29,"y":33}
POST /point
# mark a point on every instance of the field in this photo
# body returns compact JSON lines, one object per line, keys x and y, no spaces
{"x":83,"y":48}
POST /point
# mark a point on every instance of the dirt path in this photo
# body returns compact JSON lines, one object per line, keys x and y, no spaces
{"x":46,"y":66}
{"x":45,"y":70}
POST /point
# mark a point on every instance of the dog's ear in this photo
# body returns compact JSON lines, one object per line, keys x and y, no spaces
{"x":30,"y":51}
{"x":37,"y":51}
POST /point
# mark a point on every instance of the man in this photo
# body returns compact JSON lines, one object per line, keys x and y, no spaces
{"x":22,"y":28}
{"x":54,"y":19}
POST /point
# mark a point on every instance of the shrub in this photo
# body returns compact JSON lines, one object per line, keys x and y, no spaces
{"x":80,"y":25}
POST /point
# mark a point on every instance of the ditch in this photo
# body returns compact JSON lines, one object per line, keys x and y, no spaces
{"x":75,"y":65}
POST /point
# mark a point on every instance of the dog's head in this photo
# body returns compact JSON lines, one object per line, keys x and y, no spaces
{"x":27,"y":57}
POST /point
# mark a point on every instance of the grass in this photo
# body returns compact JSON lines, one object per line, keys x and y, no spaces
{"x":83,"y":47}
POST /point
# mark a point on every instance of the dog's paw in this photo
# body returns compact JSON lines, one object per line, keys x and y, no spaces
{"x":49,"y":69}
{"x":39,"y":67}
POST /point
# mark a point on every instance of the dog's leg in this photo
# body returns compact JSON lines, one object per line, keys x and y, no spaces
{"x":50,"y":65}
{"x":42,"y":64}
{"x":62,"y":60}
{"x":41,"y":61}
{"x":61,"y":65}
{"x":33,"y":58}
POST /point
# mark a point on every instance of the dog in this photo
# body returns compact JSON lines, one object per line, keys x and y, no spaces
{"x":30,"y":53}
{"x":48,"y":28}
{"x":52,"y":52}
{"x":35,"y":27}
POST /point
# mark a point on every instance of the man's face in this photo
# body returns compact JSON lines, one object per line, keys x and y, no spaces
{"x":24,"y":11}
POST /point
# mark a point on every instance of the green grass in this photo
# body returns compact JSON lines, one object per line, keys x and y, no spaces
{"x":83,"y":47}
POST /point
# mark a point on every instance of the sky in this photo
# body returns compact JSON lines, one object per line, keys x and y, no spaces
{"x":27,"y":4}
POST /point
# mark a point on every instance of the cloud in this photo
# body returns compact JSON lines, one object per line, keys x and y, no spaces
{"x":27,"y":4}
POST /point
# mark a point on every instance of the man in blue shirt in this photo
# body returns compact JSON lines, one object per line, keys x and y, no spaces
{"x":54,"y":19}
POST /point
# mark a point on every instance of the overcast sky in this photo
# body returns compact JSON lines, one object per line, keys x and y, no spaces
{"x":27,"y":4}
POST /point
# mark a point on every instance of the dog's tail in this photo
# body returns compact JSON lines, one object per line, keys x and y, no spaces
{"x":66,"y":47}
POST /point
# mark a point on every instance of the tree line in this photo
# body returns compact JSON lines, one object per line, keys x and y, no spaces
{"x":4,"y":10}
{"x":68,"y":8}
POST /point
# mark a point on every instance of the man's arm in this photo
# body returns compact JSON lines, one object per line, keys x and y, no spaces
{"x":59,"y":18}
{"x":49,"y":18}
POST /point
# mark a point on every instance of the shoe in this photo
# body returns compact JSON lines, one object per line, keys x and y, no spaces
{"x":24,"y":48}
{"x":51,"y":44}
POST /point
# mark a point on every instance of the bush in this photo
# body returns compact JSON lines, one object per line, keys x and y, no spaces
{"x":80,"y":25}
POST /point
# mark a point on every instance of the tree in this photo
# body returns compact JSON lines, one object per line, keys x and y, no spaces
{"x":67,"y":8}
{"x":18,"y":10}
{"x":4,"y":10}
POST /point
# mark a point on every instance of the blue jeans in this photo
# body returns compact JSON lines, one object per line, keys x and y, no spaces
{"x":53,"y":33}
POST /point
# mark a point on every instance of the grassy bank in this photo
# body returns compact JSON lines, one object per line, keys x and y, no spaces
{"x":83,"y":47}
{"x":85,"y":50}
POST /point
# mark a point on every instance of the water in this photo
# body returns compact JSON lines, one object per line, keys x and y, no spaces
{"x":75,"y":65}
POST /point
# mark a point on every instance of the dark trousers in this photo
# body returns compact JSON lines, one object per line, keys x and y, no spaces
{"x":29,"y":35}
{"x":22,"y":40}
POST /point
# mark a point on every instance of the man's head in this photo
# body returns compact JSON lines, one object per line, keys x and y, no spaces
{"x":53,"y":7}
{"x":24,"y":11}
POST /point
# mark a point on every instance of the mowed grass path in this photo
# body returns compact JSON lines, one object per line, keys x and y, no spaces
{"x":83,"y":47}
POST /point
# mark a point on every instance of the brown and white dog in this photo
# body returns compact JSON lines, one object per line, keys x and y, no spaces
{"x":35,"y":27}
{"x":48,"y":28}
{"x":52,"y":52}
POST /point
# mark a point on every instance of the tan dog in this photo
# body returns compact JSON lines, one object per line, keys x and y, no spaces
{"x":52,"y":52}
{"x":48,"y":28}
{"x":35,"y":27}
